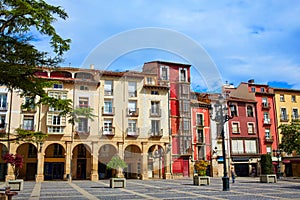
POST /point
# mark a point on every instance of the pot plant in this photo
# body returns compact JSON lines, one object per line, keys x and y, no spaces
{"x":266,"y":169}
{"x":16,"y":162}
{"x":201,"y":178}
{"x":117,"y":164}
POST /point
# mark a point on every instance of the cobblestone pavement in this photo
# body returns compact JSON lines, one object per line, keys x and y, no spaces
{"x":244,"y":188}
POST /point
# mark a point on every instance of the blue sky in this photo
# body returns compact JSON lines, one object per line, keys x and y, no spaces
{"x":257,"y":39}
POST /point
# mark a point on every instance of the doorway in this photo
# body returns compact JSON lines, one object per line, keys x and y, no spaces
{"x":81,"y":169}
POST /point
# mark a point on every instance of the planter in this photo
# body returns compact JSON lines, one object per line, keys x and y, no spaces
{"x":117,"y":183}
{"x":268,"y":178}
{"x":16,"y":185}
{"x":201,"y":180}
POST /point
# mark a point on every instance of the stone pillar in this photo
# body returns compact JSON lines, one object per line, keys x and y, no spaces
{"x":40,"y":167}
{"x":94,"y":160}
{"x":144,"y":166}
{"x":68,"y":165}
{"x":10,"y":172}
{"x":168,"y":163}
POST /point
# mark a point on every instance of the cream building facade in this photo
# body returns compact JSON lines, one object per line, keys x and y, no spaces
{"x":131,"y":120}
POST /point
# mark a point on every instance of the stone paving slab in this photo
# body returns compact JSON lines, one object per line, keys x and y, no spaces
{"x":244,"y":188}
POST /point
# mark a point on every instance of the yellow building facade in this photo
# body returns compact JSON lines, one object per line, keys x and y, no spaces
{"x":287,"y":104}
{"x":131,"y":120}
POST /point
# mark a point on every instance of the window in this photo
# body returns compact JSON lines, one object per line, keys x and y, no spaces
{"x":83,"y":102}
{"x":237,"y":146}
{"x":154,"y":92}
{"x":57,"y":151}
{"x":132,"y":110}
{"x":185,"y":91}
{"x":55,"y":129}
{"x":250,"y":111}
{"x":265,"y":102}
{"x":186,"y":106}
{"x":250,"y":146}
{"x":295,"y":114}
{"x":56,"y":120}
{"x":186,"y":125}
{"x":283,"y":114}
{"x":182,"y":75}
{"x":266,"y":118}
{"x":29,"y":102}
{"x":108,"y":106}
{"x":164,"y":72}
{"x":2,"y":122}
{"x":293,"y":98}
{"x":132,"y":127}
{"x":83,"y":87}
{"x":235,"y":127}
{"x":107,"y":127}
{"x":155,"y":127}
{"x":57,"y":95}
{"x":132,"y":89}
{"x":262,"y":89}
{"x":3,"y":101}
{"x":269,"y":150}
{"x":233,"y":110}
{"x":155,"y":109}
{"x":55,"y":123}
{"x":281,"y":97}
{"x":267,"y":133}
{"x":84,"y":76}
{"x":200,"y":138}
{"x":150,"y":81}
{"x":252,"y":89}
{"x":28,"y":123}
{"x":199,"y":118}
{"x":58,"y":86}
{"x":83,"y":125}
{"x":108,"y":88}
{"x":251,"y":128}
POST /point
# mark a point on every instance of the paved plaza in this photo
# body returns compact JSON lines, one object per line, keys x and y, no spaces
{"x":244,"y":188}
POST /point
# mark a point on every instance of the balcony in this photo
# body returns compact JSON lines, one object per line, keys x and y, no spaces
{"x":265,"y":105}
{"x":108,"y":131}
{"x":200,"y":124}
{"x":156,"y":133}
{"x":82,"y":130}
{"x":295,"y":117}
{"x":284,"y":118}
{"x":132,"y":94}
{"x":269,"y":139}
{"x":133,"y":132}
{"x":155,"y":112}
{"x":83,"y":106}
{"x":132,"y":112}
{"x":27,"y":127}
{"x":108,"y":92}
{"x":267,"y":121}
{"x":2,"y":129}
{"x":200,"y":141}
{"x":108,"y":111}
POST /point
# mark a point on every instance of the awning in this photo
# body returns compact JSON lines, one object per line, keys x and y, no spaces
{"x":240,"y":159}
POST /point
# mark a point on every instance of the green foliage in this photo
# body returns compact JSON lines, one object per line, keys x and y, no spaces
{"x":201,"y":167}
{"x":266,"y":164}
{"x":290,"y":137}
{"x":85,"y":112}
{"x":115,"y":163}
{"x":30,"y":136}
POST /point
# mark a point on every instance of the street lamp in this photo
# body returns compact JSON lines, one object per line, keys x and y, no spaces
{"x":222,"y":117}
{"x":278,"y":154}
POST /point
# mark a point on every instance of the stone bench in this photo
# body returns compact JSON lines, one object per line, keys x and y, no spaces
{"x":201,"y":180}
{"x":117,"y":182}
{"x":268,"y":178}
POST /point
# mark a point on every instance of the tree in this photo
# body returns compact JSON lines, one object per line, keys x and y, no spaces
{"x":290,"y":137}
{"x":117,"y":164}
{"x":21,"y":23}
{"x":266,"y":164}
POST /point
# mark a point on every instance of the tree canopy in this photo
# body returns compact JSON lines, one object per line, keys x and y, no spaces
{"x":21,"y":23}
{"x":290,"y":137}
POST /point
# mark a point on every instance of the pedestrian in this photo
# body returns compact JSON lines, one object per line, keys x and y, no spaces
{"x":233,"y":174}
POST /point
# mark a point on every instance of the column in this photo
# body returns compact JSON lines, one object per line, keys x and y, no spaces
{"x":144,"y":174}
{"x":40,"y":167}
{"x":94,"y":160}
{"x":68,"y":164}
{"x":168,"y":163}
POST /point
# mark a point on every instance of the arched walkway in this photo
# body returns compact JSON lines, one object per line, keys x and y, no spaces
{"x":156,"y":160}
{"x":133,"y":158}
{"x":106,"y":152}
{"x":29,"y":153}
{"x":3,"y":165}
{"x":81,"y":162}
{"x":54,"y":162}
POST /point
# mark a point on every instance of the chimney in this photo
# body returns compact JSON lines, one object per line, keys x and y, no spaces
{"x":92,"y":66}
{"x":251,"y":81}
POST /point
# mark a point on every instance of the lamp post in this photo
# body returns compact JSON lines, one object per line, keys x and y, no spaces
{"x":222,"y":117}
{"x":278,"y":154}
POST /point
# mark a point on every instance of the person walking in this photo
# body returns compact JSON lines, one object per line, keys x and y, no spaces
{"x":233,"y":175}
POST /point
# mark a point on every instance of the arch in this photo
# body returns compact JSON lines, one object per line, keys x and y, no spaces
{"x":3,"y":165}
{"x":106,"y":152}
{"x":84,"y":76}
{"x":29,"y":153}
{"x":133,"y":158}
{"x":81,"y":162}
{"x":157,"y":38}
{"x":60,"y":74}
{"x":156,"y":160}
{"x":54,"y":162}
